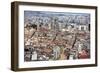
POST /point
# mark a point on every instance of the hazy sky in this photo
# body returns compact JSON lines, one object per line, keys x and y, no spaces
{"x":47,"y":13}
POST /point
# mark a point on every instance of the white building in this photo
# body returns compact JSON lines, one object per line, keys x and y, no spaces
{"x":34,"y":56}
{"x":56,"y":52}
{"x":82,"y":27}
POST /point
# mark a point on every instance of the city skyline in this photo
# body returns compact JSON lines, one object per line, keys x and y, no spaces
{"x":83,"y":18}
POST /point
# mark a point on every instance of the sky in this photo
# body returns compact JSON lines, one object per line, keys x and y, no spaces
{"x":48,"y":13}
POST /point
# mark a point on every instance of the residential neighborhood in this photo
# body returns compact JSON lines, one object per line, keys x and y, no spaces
{"x":50,"y":36}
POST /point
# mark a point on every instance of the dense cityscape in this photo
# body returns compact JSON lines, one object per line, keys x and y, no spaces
{"x":50,"y":36}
